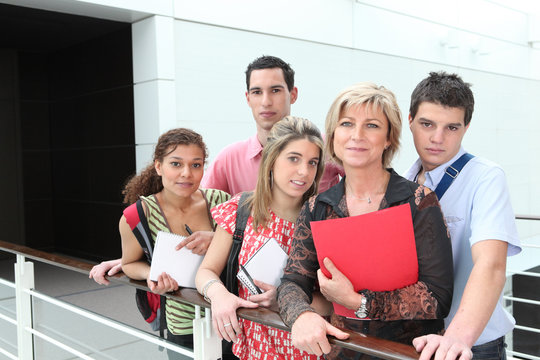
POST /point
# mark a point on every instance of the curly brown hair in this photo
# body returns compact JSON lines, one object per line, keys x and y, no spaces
{"x":148,"y":182}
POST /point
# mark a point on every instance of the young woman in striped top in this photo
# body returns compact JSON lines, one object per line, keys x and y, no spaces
{"x":173,"y":202}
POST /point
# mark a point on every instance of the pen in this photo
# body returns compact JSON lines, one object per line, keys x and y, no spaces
{"x":188,"y":230}
{"x":250,"y":279}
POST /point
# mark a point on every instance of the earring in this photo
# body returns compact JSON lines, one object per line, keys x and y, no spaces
{"x":271,"y":179}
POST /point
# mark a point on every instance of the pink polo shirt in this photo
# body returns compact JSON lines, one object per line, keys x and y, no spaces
{"x":236,"y":167}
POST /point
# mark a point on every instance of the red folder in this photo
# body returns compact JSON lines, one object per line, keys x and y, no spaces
{"x":375,"y":251}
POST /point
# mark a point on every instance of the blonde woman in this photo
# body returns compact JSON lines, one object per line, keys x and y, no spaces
{"x":363,"y":127}
{"x":289,"y":173}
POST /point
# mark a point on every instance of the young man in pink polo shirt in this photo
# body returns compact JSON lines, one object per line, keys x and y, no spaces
{"x":270,"y":94}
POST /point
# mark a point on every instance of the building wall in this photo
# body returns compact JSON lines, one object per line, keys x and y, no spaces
{"x":10,"y":180}
{"x":67,"y":130}
{"x":189,"y":58}
{"x":36,"y":155}
{"x":203,"y":49}
{"x":91,"y":114}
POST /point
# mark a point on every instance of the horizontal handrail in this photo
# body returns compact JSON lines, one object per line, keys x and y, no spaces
{"x":521,"y":300}
{"x":527,"y":217}
{"x":522,"y":355}
{"x":108,"y":322}
{"x":358,"y":342}
{"x":526,"y":273}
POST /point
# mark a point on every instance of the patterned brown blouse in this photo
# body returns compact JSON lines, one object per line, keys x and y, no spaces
{"x":398,"y":315}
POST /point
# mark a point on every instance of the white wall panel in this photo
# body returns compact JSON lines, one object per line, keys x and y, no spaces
{"x":437,"y":11}
{"x":155,"y":109}
{"x":492,"y":20}
{"x":144,"y":155}
{"x":157,"y":7}
{"x":534,"y":63}
{"x":210,"y":87}
{"x":153,"y":49}
{"x":387,"y":32}
{"x":476,"y":16}
{"x":145,"y":98}
{"x":380,"y":30}
{"x":315,"y":20}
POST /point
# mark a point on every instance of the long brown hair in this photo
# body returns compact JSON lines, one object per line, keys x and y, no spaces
{"x":283,"y":132}
{"x":148,"y":182}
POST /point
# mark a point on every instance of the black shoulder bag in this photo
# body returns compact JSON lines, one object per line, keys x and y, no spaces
{"x":242,"y":214}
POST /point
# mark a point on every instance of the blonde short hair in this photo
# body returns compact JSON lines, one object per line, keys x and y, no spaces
{"x":376,"y":96}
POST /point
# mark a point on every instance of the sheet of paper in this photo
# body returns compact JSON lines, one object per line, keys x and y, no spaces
{"x":267,"y":263}
{"x":181,"y":264}
{"x":375,"y":251}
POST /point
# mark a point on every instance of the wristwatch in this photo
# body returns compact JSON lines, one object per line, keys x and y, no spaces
{"x":361,"y":313}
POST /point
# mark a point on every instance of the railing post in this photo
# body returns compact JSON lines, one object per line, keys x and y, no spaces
{"x":206,"y":344}
{"x":24,"y":279}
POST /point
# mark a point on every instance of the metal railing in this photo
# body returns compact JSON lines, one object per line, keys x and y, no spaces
{"x":206,"y":343}
{"x":529,"y":246}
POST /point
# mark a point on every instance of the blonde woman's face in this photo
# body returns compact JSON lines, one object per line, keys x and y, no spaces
{"x":361,"y":136}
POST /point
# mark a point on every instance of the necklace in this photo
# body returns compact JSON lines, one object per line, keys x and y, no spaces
{"x":368,"y":198}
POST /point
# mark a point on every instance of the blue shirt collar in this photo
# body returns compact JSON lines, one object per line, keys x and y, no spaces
{"x":434,"y":177}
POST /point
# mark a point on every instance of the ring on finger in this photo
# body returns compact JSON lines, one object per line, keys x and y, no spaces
{"x":227,"y":324}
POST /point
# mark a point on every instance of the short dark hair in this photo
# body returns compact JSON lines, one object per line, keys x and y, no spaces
{"x":444,"y":89}
{"x":270,"y":62}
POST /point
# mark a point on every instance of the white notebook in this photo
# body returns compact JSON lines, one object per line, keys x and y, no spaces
{"x":265,"y":265}
{"x":181,"y":264}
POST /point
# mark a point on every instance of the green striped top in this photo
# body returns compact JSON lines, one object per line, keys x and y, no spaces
{"x":179,"y":316}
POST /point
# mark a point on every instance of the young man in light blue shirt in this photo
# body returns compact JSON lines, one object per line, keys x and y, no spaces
{"x":477,"y":209}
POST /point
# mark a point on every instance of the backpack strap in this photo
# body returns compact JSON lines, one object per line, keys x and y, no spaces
{"x":242,"y":214}
{"x":136,"y":219}
{"x":451,"y":173}
{"x":145,"y":234}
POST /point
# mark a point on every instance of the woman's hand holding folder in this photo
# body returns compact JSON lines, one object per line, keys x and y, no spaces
{"x":337,"y":288}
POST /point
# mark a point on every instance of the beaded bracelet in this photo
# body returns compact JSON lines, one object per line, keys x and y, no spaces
{"x":206,"y":287}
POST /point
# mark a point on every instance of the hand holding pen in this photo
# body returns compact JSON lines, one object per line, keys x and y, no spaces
{"x":198,"y":241}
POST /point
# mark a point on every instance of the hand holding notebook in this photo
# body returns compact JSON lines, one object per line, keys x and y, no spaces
{"x":265,"y":265}
{"x":181,"y":265}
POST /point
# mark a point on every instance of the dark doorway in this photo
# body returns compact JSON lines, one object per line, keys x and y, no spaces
{"x":66,"y":104}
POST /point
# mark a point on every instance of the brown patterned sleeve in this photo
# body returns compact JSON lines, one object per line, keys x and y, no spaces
{"x":295,"y":291}
{"x":292,"y":302}
{"x":431,"y":296}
